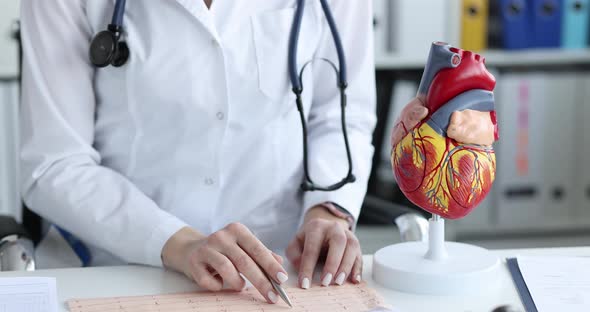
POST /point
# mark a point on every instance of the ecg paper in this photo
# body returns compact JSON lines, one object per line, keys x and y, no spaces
{"x":357,"y":298}
{"x":557,"y":283}
{"x":28,"y":294}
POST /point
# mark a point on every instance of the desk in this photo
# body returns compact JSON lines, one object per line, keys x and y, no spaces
{"x":139,"y":280}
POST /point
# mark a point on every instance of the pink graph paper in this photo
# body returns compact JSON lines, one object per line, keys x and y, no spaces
{"x":333,"y":299}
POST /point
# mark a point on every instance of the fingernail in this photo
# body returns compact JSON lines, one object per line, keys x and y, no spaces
{"x":358,"y":278}
{"x":272,"y":297}
{"x":305,"y":283}
{"x":282,"y":277}
{"x":340,"y":278}
{"x":327,"y":279}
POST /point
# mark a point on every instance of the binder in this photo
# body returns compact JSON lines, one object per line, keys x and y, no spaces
{"x":494,"y":26}
{"x":414,"y":25}
{"x":10,"y":200}
{"x":9,"y":13}
{"x":582,"y":176}
{"x":381,"y":27}
{"x":537,"y":150}
{"x":519,"y":168}
{"x":474,"y":24}
{"x":576,"y":17}
{"x":516,"y":24}
{"x":521,"y":286}
{"x":546,"y":21}
{"x":559,"y":147}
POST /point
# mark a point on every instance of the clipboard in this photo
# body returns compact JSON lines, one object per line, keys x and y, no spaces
{"x":521,"y":287}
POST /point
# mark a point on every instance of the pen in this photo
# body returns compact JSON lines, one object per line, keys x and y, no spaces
{"x":278,"y":288}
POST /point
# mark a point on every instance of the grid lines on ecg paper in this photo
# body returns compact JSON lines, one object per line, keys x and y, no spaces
{"x":346,"y":298}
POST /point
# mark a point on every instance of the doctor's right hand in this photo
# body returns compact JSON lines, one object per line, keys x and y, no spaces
{"x":218,"y":259}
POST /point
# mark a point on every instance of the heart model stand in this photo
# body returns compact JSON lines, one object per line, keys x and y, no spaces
{"x":434,"y":266}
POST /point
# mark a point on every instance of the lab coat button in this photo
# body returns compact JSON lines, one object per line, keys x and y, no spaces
{"x":209,"y":181}
{"x":220,"y":115}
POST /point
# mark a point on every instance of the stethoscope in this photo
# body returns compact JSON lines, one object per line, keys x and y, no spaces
{"x":107,"y":48}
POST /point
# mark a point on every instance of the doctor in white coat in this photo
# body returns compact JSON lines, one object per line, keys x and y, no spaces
{"x":190,"y":155}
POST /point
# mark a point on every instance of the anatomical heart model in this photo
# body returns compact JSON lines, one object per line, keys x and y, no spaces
{"x":436,"y":172}
{"x":444,"y":162}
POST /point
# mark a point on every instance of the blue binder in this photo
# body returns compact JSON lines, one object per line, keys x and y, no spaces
{"x":546,"y":21}
{"x":516,"y":24}
{"x":521,"y":287}
{"x":576,"y":16}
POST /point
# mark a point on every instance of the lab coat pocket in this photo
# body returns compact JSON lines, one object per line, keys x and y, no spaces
{"x":271,"y":31}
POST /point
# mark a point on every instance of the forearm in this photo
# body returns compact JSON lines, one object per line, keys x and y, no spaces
{"x":328,"y":165}
{"x":100,"y":207}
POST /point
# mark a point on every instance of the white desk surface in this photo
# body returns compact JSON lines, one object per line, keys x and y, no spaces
{"x":138,"y":280}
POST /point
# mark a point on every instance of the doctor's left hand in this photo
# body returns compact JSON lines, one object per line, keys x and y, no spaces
{"x":325,"y":237}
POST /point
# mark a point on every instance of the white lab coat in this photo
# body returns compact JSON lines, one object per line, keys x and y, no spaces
{"x":199,"y":128}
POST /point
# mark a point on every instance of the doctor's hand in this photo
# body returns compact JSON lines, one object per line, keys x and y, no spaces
{"x":325,"y":237}
{"x":218,"y":259}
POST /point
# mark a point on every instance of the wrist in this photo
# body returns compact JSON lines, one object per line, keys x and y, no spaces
{"x":321,"y":212}
{"x":174,"y":250}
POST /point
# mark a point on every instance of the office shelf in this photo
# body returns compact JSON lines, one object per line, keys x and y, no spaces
{"x":498,"y":58}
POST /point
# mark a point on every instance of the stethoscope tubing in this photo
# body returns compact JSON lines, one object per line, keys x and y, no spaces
{"x":118,"y":14}
{"x":294,"y":43}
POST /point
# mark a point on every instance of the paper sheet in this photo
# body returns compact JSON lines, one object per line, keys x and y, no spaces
{"x":557,"y":283}
{"x":334,"y":299}
{"x":28,"y":294}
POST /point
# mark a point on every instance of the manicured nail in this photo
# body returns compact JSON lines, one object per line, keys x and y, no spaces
{"x":327,"y":279}
{"x":305,"y":283}
{"x":340,"y":278}
{"x":272,"y":297}
{"x":282,"y":277}
{"x":358,"y":278}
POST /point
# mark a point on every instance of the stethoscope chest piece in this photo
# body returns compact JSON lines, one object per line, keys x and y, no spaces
{"x":106,"y":49}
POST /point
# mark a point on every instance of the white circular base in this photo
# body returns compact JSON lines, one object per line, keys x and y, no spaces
{"x":467,"y":269}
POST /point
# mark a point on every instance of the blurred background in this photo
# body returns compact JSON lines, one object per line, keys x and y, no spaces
{"x":539,"y":52}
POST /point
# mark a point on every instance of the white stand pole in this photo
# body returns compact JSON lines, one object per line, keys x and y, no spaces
{"x":436,"y":239}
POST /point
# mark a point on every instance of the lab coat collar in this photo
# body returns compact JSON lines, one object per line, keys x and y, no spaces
{"x":204,"y":15}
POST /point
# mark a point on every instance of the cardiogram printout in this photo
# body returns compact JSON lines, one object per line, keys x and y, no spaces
{"x":333,"y":299}
{"x":28,"y":294}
